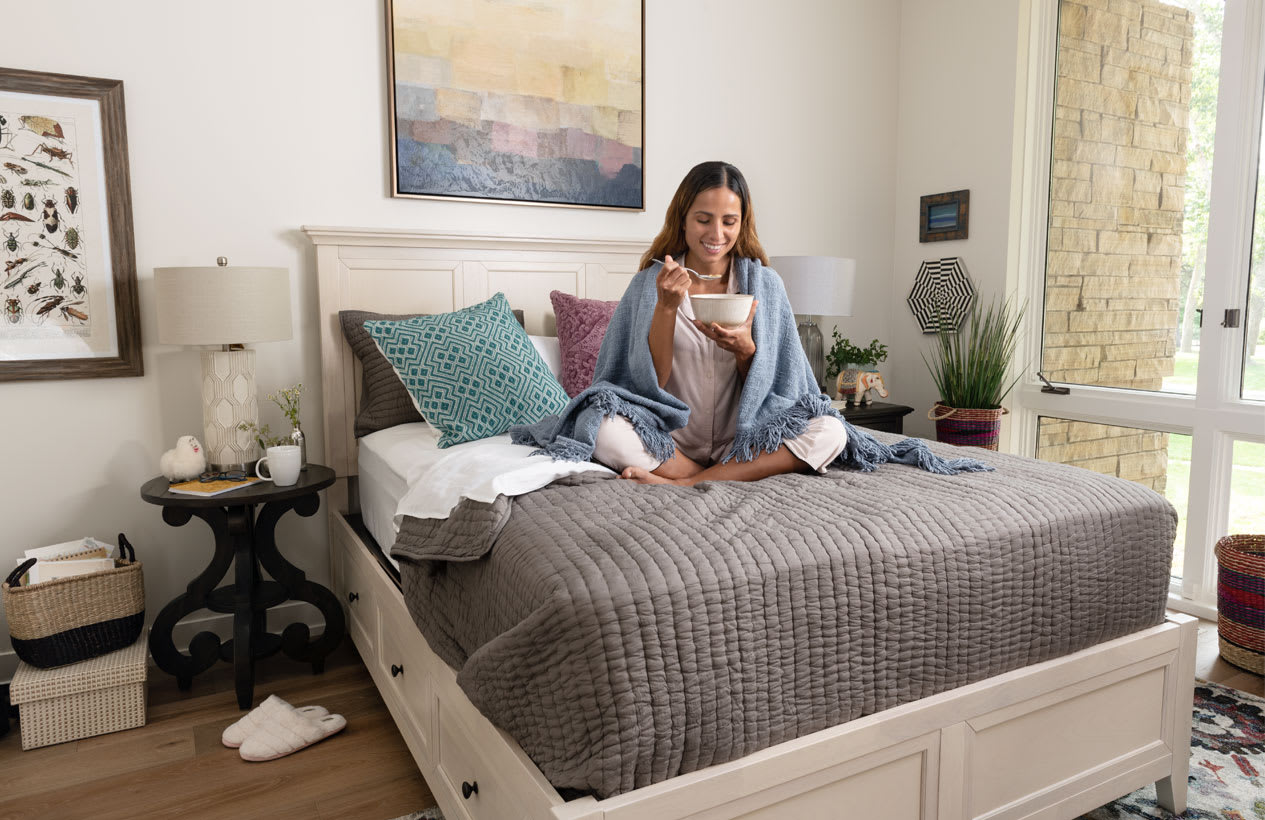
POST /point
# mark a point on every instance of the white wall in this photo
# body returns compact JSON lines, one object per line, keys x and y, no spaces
{"x":248,"y":120}
{"x":955,"y":130}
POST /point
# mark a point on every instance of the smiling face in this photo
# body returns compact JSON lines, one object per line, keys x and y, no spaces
{"x":712,"y":224}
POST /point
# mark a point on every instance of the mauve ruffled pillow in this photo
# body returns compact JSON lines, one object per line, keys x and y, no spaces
{"x":581,"y":328}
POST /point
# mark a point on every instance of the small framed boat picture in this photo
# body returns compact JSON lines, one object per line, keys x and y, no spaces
{"x":944,"y":216}
{"x":68,"y":293}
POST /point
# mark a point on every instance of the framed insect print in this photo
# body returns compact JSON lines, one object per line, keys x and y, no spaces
{"x":534,"y":102}
{"x":68,"y":294}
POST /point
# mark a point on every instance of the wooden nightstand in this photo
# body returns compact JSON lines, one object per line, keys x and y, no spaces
{"x":247,"y":541}
{"x":889,"y":418}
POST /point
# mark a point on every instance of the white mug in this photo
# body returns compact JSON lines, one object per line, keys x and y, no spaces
{"x":283,"y":465}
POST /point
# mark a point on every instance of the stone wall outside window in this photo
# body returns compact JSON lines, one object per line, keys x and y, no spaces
{"x":1117,"y":182}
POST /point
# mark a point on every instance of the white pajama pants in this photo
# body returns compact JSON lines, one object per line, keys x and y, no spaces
{"x":618,"y":445}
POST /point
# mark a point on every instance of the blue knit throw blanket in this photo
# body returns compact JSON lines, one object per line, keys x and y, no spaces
{"x":779,"y":395}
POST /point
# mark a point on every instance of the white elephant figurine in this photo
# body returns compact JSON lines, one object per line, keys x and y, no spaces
{"x":854,"y":386}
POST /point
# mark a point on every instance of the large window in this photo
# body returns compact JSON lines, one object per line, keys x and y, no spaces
{"x":1148,"y":272}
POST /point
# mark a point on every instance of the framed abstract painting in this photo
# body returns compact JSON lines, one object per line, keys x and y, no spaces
{"x":68,"y":291}
{"x":534,"y":102}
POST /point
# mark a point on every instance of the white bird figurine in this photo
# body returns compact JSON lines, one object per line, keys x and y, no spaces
{"x":184,"y":461}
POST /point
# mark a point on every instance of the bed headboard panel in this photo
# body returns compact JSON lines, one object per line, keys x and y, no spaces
{"x":400,"y":271}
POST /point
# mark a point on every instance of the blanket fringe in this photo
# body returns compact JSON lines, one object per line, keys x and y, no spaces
{"x":602,"y":404}
{"x":657,"y":441}
{"x":865,"y":453}
{"x":791,"y":423}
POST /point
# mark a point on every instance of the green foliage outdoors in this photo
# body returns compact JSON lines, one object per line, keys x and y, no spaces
{"x":844,"y":353}
{"x":1204,"y":86}
{"x":1186,"y":372}
{"x":1247,"y":489}
{"x":971,"y":366}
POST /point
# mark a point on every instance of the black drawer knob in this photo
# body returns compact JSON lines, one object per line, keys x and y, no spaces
{"x":396,"y":671}
{"x":468,"y":789}
{"x":352,"y":597}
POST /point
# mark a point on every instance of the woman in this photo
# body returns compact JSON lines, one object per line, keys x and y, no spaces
{"x":677,"y":401}
{"x":709,"y":224}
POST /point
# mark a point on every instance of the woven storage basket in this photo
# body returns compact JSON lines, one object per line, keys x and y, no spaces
{"x":105,"y":694}
{"x":967,"y":427}
{"x":73,"y":619}
{"x":1241,"y":600}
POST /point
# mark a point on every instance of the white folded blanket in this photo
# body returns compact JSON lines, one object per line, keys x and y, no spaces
{"x":479,"y":470}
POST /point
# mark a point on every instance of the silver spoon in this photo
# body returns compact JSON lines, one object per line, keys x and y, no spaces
{"x":703,"y":276}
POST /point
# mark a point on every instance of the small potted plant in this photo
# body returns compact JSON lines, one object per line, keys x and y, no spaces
{"x":844,"y":355}
{"x":845,"y":360}
{"x":971,"y":369}
{"x":264,"y":436}
{"x":287,"y":400}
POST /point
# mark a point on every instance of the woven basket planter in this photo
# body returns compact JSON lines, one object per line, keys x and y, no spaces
{"x":73,"y":619}
{"x":1241,"y":600}
{"x":967,"y":427}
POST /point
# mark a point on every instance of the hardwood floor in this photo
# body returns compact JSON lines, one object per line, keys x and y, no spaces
{"x":176,"y":766}
{"x":1210,"y":666}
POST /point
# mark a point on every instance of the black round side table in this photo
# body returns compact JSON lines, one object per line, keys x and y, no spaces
{"x":247,"y":541}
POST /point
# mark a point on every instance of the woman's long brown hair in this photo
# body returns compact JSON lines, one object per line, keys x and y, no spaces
{"x":703,"y":177}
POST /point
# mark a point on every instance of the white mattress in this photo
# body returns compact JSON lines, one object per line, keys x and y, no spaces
{"x":386,"y":458}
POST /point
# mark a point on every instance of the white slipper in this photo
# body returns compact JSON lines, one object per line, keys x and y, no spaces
{"x":286,"y":731}
{"x":236,"y":734}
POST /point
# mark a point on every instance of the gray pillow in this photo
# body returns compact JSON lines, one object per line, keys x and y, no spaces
{"x":383,"y":400}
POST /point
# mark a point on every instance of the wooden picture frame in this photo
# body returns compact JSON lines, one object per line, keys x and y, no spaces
{"x":68,"y":291}
{"x":944,"y":216}
{"x":523,"y":102}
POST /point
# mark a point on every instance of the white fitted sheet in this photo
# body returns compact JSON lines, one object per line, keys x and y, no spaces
{"x":386,"y":457}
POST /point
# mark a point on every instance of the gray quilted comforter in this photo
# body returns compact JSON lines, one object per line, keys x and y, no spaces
{"x":625,"y":634}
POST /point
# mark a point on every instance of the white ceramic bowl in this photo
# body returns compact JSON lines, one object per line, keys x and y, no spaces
{"x":725,"y":309}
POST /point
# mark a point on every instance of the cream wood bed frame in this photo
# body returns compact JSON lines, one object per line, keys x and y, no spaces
{"x":1051,"y":740}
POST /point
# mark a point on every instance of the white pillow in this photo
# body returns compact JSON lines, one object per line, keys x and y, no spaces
{"x":547,"y":347}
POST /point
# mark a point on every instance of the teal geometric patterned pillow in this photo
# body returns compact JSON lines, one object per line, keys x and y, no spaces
{"x":472,"y":373}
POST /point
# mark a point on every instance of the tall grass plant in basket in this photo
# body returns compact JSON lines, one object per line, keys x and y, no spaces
{"x":971,"y":367}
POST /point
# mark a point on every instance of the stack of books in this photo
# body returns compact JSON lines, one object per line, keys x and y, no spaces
{"x":64,"y":560}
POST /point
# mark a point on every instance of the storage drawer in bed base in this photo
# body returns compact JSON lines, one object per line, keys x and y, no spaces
{"x":1051,"y":740}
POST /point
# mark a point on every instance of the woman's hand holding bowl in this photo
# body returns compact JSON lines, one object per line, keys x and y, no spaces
{"x":737,"y":339}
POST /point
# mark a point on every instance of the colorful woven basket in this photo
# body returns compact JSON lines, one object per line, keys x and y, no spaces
{"x":1241,"y":600}
{"x":967,"y":427}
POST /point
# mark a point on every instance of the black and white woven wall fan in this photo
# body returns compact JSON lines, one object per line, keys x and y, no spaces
{"x":942,"y":294}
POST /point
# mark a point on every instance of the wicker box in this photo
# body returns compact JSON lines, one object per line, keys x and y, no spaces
{"x":92,"y":697}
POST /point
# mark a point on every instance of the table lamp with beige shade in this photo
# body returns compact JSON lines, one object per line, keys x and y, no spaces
{"x":816,"y":286}
{"x":227,"y":307}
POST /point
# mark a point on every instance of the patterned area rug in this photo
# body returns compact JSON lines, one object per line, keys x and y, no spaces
{"x":1227,"y":765}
